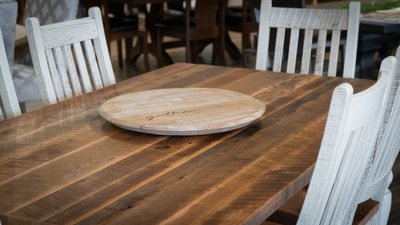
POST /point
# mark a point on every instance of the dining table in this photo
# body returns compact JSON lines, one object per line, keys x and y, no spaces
{"x":66,"y":164}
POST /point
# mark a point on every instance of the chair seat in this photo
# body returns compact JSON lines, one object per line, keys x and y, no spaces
{"x":26,"y":84}
{"x":176,"y":27}
{"x":233,"y":18}
{"x":123,"y":24}
{"x":176,"y":24}
{"x":234,"y":22}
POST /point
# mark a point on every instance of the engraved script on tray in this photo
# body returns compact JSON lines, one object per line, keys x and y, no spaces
{"x":169,"y":113}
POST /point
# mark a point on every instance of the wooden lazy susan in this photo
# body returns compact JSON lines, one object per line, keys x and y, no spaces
{"x":182,"y":111}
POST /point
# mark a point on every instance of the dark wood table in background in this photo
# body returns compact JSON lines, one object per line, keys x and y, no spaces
{"x":65,"y":164}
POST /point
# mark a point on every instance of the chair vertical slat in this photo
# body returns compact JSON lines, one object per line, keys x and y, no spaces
{"x":311,"y":21}
{"x":103,"y":56}
{"x":83,"y":71}
{"x":54,"y":75}
{"x":75,"y":81}
{"x":262,"y":59}
{"x":263,"y":46}
{"x":293,"y":45}
{"x":306,"y":57}
{"x":62,"y":70}
{"x":8,"y":95}
{"x":279,"y":46}
{"x":352,"y":40}
{"x":320,"y":56}
{"x":91,"y":60}
{"x":334,"y":53}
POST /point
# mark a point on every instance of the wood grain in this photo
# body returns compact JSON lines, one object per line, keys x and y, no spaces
{"x":65,"y":164}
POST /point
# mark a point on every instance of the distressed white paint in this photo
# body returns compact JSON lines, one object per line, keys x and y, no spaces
{"x":10,"y":105}
{"x":387,"y":149}
{"x":62,"y":65}
{"x":347,"y":145}
{"x":309,"y":21}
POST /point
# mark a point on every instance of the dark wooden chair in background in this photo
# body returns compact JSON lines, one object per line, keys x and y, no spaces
{"x":120,"y":26}
{"x":242,"y":19}
{"x":193,"y":29}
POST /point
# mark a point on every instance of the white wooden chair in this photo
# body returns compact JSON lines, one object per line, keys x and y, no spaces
{"x":344,"y":159}
{"x":9,"y":102}
{"x":308,"y":21}
{"x":387,"y":149}
{"x":47,"y":12}
{"x":63,"y":52}
{"x":347,"y":145}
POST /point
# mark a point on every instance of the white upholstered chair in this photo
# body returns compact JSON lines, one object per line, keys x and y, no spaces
{"x":51,"y":11}
{"x":328,"y":23}
{"x":387,"y":149}
{"x":9,"y":102}
{"x":22,"y":75}
{"x":63,"y":52}
{"x":8,"y":16}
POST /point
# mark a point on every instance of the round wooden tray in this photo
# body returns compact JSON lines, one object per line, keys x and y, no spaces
{"x":182,"y":111}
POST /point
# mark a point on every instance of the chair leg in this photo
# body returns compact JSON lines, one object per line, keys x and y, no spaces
{"x":193,"y":51}
{"x":385,"y":206}
{"x":188,"y":50}
{"x":128,"y":49}
{"x":231,"y":48}
{"x":246,"y":41}
{"x":214,"y":60}
{"x":22,"y":106}
{"x":145,"y":52}
{"x":119,"y":49}
{"x":160,"y":61}
{"x":221,"y":50}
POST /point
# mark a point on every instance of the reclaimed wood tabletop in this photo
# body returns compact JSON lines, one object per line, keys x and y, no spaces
{"x":65,"y":164}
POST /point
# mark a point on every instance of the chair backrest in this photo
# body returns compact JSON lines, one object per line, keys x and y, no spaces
{"x":387,"y":147}
{"x":347,"y":145}
{"x":9,"y":102}
{"x":203,"y":23}
{"x":309,"y":21}
{"x":57,"y":48}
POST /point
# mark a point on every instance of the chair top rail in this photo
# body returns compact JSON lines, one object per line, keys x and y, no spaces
{"x":65,"y":33}
{"x":328,"y":19}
